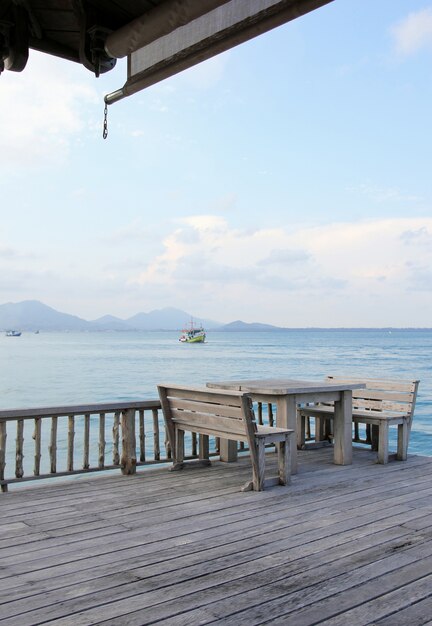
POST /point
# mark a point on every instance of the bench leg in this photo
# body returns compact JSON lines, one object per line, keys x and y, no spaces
{"x":328,"y":430}
{"x":258,"y":471}
{"x":284,"y":462}
{"x":204,"y":449}
{"x":402,"y":445}
{"x":383,"y":442}
{"x":374,"y":437}
{"x":301,"y":429}
{"x":178,"y":456}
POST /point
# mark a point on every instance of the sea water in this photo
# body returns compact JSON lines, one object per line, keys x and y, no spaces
{"x":53,"y":368}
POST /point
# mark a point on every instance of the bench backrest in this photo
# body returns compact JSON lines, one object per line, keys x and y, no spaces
{"x":226,"y":414}
{"x":392,"y":396}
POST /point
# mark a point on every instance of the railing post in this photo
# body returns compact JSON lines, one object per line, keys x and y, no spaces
{"x":156,"y":442}
{"x":70,"y":447}
{"x":3,"y":436}
{"x":128,"y":458}
{"x":102,"y":443}
{"x":19,"y":453}
{"x":86,"y":452}
{"x":115,"y":435}
{"x":52,"y":448}
{"x":37,"y":439}
{"x":142,"y":436}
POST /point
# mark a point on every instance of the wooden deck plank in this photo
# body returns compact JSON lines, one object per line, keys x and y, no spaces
{"x":163,"y":531}
{"x":190,"y":546}
{"x":417,"y":614}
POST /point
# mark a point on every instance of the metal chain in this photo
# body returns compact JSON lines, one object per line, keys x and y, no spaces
{"x":105,"y":124}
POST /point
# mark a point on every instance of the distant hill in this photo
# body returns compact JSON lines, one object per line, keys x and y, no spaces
{"x":34,"y":315}
{"x":239,"y":326}
{"x":31,"y":315}
{"x":166,"y":319}
{"x":110,"y":322}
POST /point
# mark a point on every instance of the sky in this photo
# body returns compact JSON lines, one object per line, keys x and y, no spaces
{"x":287,"y":181}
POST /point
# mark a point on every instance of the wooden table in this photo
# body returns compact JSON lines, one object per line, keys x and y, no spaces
{"x":287,"y":394}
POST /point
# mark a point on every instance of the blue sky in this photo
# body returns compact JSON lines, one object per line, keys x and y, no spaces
{"x":286,"y":181}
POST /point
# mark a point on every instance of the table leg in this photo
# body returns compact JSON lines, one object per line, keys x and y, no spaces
{"x":343,"y":429}
{"x":228,"y":450}
{"x":286,"y":417}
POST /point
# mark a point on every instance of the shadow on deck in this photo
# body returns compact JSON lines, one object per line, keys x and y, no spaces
{"x":340,"y":545}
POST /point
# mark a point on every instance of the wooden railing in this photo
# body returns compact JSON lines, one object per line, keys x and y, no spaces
{"x":50,"y":442}
{"x":61,"y":441}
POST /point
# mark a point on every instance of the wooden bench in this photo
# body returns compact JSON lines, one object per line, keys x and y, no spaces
{"x":381,"y":404}
{"x":225,"y":414}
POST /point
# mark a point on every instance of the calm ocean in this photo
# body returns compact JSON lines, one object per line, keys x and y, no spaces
{"x":49,"y":369}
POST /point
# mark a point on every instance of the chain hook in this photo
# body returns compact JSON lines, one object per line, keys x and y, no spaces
{"x":105,"y":123}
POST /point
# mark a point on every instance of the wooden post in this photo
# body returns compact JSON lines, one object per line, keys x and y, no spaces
{"x":259,"y":469}
{"x":37,"y":440}
{"x":156,"y":435}
{"x":71,"y":437}
{"x":168,"y":451}
{"x":402,"y":441}
{"x":19,"y":450}
{"x":284,"y":463}
{"x":194,"y":444}
{"x":115,"y":433}
{"x":102,"y":442}
{"x":228,"y":450}
{"x":128,"y":459}
{"x":52,"y":448}
{"x":86,"y":452}
{"x":343,"y":429}
{"x":204,"y":448}
{"x":179,"y":448}
{"x":286,"y":417}
{"x":3,"y":437}
{"x":270,"y":414}
{"x":142,"y":436}
{"x":260,"y":414}
{"x":373,"y":436}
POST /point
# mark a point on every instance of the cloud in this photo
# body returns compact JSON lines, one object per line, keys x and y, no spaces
{"x":421,"y":236}
{"x":11,"y":254}
{"x":332,"y":274}
{"x":7,"y":253}
{"x":414,"y":32}
{"x":383,"y":194}
{"x":135,"y":230}
{"x":372,"y":272}
{"x":420,"y":278}
{"x":42,"y":110}
{"x":285,"y":256}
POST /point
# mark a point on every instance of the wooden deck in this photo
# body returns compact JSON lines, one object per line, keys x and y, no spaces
{"x":341,"y":545}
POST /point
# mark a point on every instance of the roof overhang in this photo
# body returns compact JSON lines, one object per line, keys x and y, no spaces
{"x":161,"y":48}
{"x":159,"y":37}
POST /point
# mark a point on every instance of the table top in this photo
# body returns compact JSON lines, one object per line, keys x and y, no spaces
{"x":283,"y":386}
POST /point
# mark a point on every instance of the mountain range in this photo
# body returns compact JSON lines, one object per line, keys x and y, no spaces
{"x":32,"y":315}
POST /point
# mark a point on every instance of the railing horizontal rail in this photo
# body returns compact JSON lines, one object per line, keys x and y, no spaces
{"x":79,"y":409}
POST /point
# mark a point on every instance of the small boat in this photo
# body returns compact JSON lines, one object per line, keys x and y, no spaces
{"x":193,"y":334}
{"x":13,"y":333}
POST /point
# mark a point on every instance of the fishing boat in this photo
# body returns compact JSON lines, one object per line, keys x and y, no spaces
{"x":13,"y":333}
{"x":192,"y":334}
